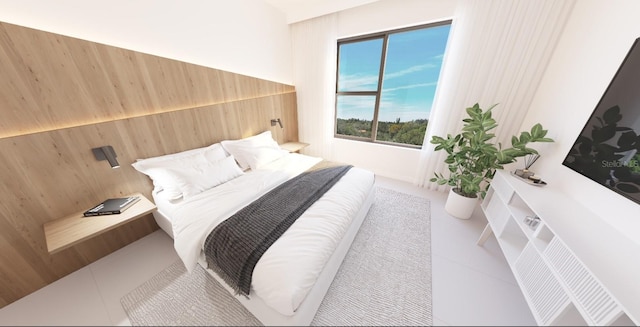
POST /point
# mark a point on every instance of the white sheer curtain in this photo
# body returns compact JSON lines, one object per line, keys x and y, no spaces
{"x":497,"y":53}
{"x":314,"y":75}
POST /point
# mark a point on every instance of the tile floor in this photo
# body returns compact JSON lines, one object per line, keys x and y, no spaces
{"x":472,"y":285}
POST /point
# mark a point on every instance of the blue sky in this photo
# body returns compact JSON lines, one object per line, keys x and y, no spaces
{"x":412,"y":68}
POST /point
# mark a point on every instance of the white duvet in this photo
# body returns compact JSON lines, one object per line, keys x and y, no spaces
{"x":289,"y":268}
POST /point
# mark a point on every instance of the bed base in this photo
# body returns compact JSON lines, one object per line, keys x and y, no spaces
{"x":163,"y":222}
{"x":308,"y":308}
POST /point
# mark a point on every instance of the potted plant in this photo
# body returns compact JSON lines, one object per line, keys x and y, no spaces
{"x":473,"y":158}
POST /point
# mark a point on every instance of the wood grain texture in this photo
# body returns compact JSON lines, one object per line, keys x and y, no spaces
{"x":51,"y":81}
{"x":76,"y":228}
{"x":60,"y":97}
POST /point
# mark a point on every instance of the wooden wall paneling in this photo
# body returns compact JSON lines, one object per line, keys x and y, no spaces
{"x":63,"y":82}
{"x":289,"y":118}
{"x":60,"y":97}
{"x":14,"y":72}
{"x":18,"y":274}
{"x":52,"y":174}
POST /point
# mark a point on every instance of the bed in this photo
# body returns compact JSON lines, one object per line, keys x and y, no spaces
{"x":292,"y":276}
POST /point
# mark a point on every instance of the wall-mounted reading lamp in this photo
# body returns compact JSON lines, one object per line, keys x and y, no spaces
{"x":106,"y":153}
{"x":278,"y":121}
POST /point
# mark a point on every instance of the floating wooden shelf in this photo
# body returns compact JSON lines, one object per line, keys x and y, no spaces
{"x":73,"y":229}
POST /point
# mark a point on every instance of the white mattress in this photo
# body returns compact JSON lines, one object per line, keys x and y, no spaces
{"x":289,"y":268}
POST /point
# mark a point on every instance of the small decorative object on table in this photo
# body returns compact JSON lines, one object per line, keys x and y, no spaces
{"x":112,"y":206}
{"x":532,"y":221}
{"x":527,"y":175}
{"x":529,"y":159}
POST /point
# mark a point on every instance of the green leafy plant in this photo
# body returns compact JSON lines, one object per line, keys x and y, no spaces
{"x":473,"y":158}
{"x":635,"y":164}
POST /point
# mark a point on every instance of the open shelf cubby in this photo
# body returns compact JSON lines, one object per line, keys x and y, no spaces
{"x":559,"y":288}
{"x":496,"y":209}
{"x":512,"y":240}
{"x":570,"y":316}
{"x":623,"y":320}
{"x":519,"y":208}
{"x":542,"y":236}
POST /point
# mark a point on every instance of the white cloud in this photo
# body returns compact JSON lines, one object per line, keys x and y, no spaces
{"x":412,"y":86}
{"x":358,"y":82}
{"x":409,"y":70}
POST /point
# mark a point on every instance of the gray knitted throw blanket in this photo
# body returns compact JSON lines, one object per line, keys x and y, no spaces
{"x":234,"y":246}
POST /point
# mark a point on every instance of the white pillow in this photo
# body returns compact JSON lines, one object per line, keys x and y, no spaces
{"x":255,"y":151}
{"x":155,"y":167}
{"x":204,"y":176}
{"x":212,"y":152}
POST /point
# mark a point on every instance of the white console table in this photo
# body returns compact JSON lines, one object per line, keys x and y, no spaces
{"x":573,"y":268}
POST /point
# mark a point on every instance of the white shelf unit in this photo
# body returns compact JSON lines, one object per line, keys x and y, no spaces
{"x":571,"y":266}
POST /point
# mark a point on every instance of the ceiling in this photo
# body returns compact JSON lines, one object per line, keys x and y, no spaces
{"x":297,"y":10}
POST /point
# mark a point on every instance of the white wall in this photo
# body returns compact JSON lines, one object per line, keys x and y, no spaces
{"x":242,"y":36}
{"x":395,"y":162}
{"x":297,"y":10}
{"x":595,"y":41}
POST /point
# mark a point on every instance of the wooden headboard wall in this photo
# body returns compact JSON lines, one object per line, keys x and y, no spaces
{"x":60,"y":97}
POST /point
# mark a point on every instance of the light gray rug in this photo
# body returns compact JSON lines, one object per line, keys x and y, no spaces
{"x":385,"y":279}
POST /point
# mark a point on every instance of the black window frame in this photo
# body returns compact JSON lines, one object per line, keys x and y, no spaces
{"x":384,"y":35}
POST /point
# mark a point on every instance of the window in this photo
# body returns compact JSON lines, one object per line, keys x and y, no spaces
{"x":386,"y":83}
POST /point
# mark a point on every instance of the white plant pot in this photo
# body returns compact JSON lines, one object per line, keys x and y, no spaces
{"x":460,"y":206}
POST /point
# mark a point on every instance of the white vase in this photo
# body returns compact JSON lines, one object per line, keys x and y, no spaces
{"x":460,"y":206}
